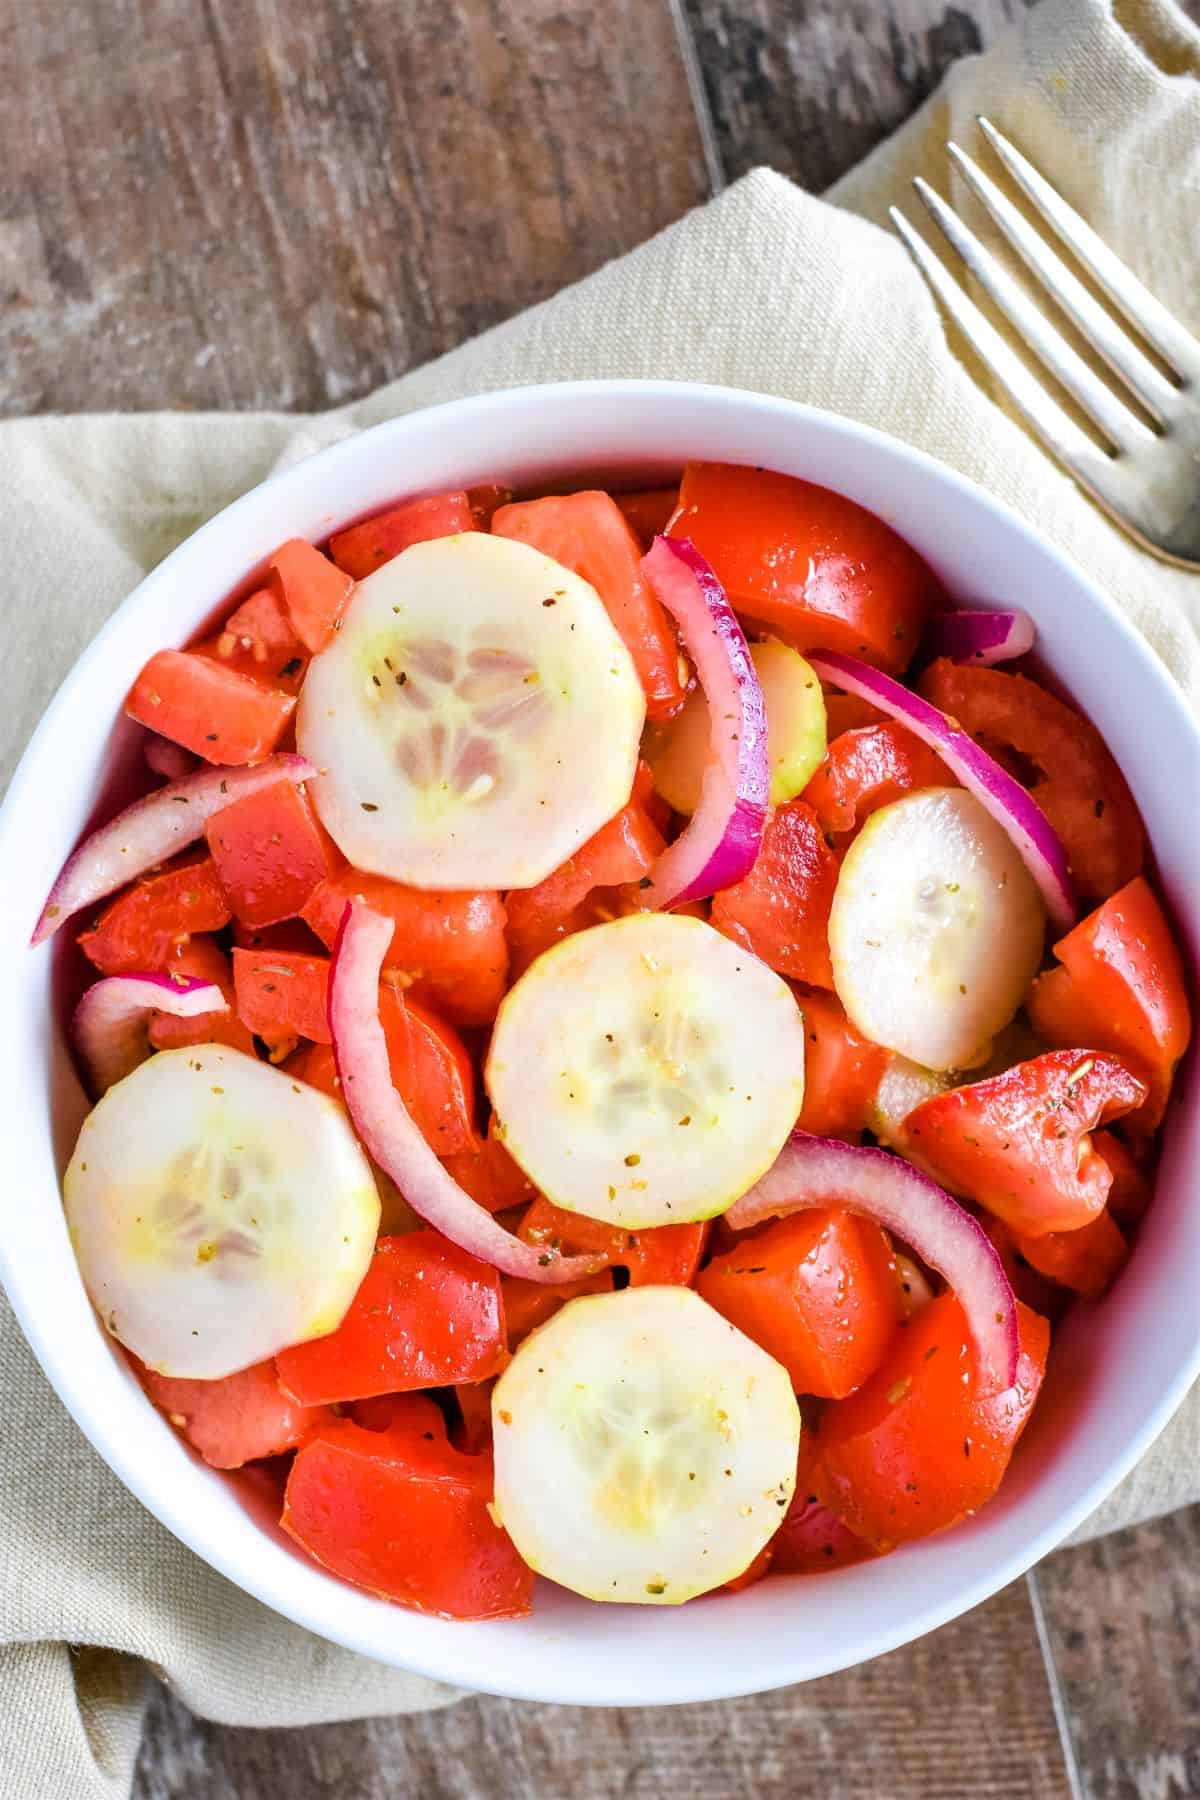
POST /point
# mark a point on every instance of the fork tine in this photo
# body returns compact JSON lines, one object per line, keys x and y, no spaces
{"x":1056,"y":428}
{"x":1147,"y":315}
{"x":1120,"y":427}
{"x":1156,"y":393}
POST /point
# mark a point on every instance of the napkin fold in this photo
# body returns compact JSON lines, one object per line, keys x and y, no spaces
{"x":766,"y":288}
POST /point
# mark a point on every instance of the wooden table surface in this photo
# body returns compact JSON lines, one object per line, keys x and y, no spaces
{"x":242,"y":203}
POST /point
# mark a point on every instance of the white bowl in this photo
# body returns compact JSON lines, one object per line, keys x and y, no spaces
{"x":1117,"y":1371}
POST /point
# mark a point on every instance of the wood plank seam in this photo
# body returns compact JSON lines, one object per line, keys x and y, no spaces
{"x":1058,"y":1699}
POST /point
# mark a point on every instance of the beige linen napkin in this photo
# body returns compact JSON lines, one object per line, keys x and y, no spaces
{"x":767,"y":289}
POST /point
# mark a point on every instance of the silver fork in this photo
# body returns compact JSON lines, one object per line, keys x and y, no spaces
{"x":1146,"y":476}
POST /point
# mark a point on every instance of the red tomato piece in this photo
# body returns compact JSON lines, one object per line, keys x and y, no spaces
{"x":866,"y":769}
{"x":917,"y":1447}
{"x":485,"y":502}
{"x":811,"y":1539}
{"x":842,"y":1070}
{"x":415,"y":1413}
{"x":270,"y":853}
{"x":528,"y":1304}
{"x":225,"y":717}
{"x":257,"y":640}
{"x":145,"y":928}
{"x":366,"y":547}
{"x":450,"y":946}
{"x":821,"y":571}
{"x":489,"y":1174}
{"x":288,"y":935}
{"x":202,"y":959}
{"x":314,"y":592}
{"x":282,"y":995}
{"x":656,"y":1256}
{"x":403,"y":1514}
{"x":818,"y":1291}
{"x":426,"y":1314}
{"x":1059,"y":756}
{"x":473,"y":1431}
{"x":1033,"y":1290}
{"x":235,"y":1420}
{"x":1130,"y":1193}
{"x":754,"y":1572}
{"x":1122,"y":987}
{"x":586,"y":533}
{"x":648,"y":511}
{"x":622,"y":851}
{"x":1018,"y":1142}
{"x":780,"y":910}
{"x":1087,"y":1261}
{"x":846,"y":712}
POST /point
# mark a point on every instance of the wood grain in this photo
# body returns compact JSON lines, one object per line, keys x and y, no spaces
{"x":1123,"y":1620}
{"x":810,"y":88}
{"x":242,"y":203}
{"x":964,"y":1715}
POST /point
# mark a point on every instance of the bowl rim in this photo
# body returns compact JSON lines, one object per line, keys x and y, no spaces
{"x":569,"y":1681}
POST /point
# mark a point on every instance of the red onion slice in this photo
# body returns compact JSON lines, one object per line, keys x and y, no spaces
{"x":151,"y":830}
{"x":979,"y":637}
{"x":169,"y":760}
{"x":997,"y":791}
{"x":385,"y":1125}
{"x":110,"y":1027}
{"x":724,"y":835}
{"x":813,"y":1171}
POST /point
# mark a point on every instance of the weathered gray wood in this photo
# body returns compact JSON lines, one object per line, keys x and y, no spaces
{"x":964,"y":1715}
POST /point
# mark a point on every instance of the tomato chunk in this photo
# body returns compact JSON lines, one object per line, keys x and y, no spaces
{"x":825,"y":573}
{"x":917,"y":1447}
{"x":754,"y":1572}
{"x":528,"y":1304}
{"x":1122,"y":987}
{"x":281,"y":995}
{"x":426,"y":1315}
{"x":485,"y":502}
{"x":1018,"y":1142}
{"x":366,"y":547}
{"x":202,"y":959}
{"x":818,"y":1291}
{"x":146,"y":927}
{"x":1130,"y":1193}
{"x":811,"y":1538}
{"x":1087,"y":1261}
{"x":450,"y":946}
{"x":270,"y":853}
{"x":235,"y":1420}
{"x":313,"y":591}
{"x":1060,"y":757}
{"x":258,"y":640}
{"x":866,"y":769}
{"x":403,"y":1514}
{"x":842,"y":1070}
{"x":622,"y":851}
{"x":473,"y":1431}
{"x":587,"y":534}
{"x":648,"y":511}
{"x":210,"y":708}
{"x":489,"y":1174}
{"x":660,"y":1255}
{"x":780,"y":910}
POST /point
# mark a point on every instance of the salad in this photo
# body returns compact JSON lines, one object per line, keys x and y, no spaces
{"x":618,"y":1026}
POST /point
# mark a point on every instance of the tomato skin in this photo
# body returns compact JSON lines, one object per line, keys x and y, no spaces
{"x":473,"y":1432}
{"x":1078,"y":786}
{"x":866,"y":769}
{"x":842,"y":1070}
{"x":1087,"y":1261}
{"x":426,"y":1314}
{"x":822,"y":571}
{"x":208,"y":707}
{"x":366,"y":547}
{"x":452,"y":946}
{"x":1032,"y":1289}
{"x":1018,"y":1142}
{"x":1122,"y":987}
{"x":485,"y":502}
{"x":917,"y":1447}
{"x":528,"y":1304}
{"x":312,"y":591}
{"x":753,"y":1573}
{"x":146,"y":927}
{"x":818,"y":1291}
{"x":846,"y":712}
{"x":660,"y":1255}
{"x":403,"y":1514}
{"x":780,"y":910}
{"x":257,"y":640}
{"x":648,"y":512}
{"x":811,"y":1539}
{"x":235,"y":1420}
{"x":488,"y":1173}
{"x":203,"y":960}
{"x":281,"y":995}
{"x":587,"y":534}
{"x":270,"y":854}
{"x":622,"y":851}
{"x":1131,"y":1192}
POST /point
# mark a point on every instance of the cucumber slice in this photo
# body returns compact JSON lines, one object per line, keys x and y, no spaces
{"x":795,"y":708}
{"x":645,"y":1448}
{"x":647,"y":1072}
{"x":936,"y":928}
{"x":219,"y":1211}
{"x":475,"y":720}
